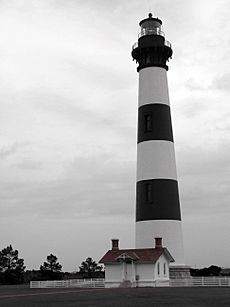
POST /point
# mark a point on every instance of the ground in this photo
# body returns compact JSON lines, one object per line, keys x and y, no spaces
{"x":22,"y":296}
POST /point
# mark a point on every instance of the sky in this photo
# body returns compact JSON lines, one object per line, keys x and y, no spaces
{"x":68,"y":117}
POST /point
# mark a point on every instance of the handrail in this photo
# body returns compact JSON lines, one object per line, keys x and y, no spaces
{"x":135,"y":45}
{"x":166,"y":43}
{"x":147,"y":31}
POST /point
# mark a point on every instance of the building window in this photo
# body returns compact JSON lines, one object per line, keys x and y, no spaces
{"x":148,"y":122}
{"x":164,"y":268}
{"x":148,"y":193}
{"x":158,"y":268}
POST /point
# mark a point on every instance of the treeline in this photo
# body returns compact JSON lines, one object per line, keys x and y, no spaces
{"x":12,"y":269}
{"x":213,"y":270}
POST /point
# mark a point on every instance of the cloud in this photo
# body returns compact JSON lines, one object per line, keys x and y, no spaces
{"x":222,"y":83}
{"x":7,"y":151}
{"x":195,"y":85}
{"x":195,"y":107}
{"x":29,"y":164}
{"x":69,"y":90}
{"x":204,"y":179}
{"x":91,"y":186}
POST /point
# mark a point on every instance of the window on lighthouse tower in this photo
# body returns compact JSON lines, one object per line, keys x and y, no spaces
{"x":148,"y":191}
{"x":148,"y":122}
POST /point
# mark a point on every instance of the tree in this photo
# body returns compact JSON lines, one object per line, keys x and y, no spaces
{"x":11,"y":267}
{"x":51,"y":269}
{"x":213,"y":270}
{"x":90,"y":269}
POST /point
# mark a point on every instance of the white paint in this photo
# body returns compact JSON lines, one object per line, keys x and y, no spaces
{"x":169,"y":230}
{"x":201,"y":281}
{"x":161,"y":261}
{"x":153,"y":86}
{"x":69,"y":283}
{"x":145,"y":271}
{"x":156,"y":160}
{"x":116,"y":274}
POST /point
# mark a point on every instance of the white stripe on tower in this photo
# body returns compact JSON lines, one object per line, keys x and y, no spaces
{"x":149,"y":90}
{"x":157,"y":197}
{"x":162,"y":152}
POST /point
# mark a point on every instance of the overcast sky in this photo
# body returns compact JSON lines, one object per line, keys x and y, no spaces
{"x":68,"y":115}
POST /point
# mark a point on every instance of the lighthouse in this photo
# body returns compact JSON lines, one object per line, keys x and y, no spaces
{"x":157,"y":198}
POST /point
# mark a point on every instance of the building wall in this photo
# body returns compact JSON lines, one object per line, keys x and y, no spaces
{"x":163,"y":272}
{"x":113,"y":273}
{"x":145,"y":273}
{"x":138,"y":275}
{"x":169,"y":230}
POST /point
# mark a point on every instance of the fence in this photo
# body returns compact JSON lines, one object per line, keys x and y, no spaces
{"x":201,"y":282}
{"x":69,"y":283}
{"x":100,"y":283}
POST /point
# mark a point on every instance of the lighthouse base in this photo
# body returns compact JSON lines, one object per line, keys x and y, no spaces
{"x":169,"y":230}
{"x":179,"y":272}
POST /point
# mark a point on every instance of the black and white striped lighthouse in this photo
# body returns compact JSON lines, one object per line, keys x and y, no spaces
{"x":157,"y":198}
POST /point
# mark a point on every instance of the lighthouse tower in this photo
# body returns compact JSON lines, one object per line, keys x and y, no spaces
{"x":157,"y":198}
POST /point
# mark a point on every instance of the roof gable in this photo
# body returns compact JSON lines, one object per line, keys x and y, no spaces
{"x":140,"y":255}
{"x":124,"y":257}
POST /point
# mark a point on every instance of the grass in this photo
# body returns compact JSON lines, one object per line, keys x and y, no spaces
{"x":22,"y":296}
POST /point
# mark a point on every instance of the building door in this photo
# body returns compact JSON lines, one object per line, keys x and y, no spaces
{"x":128,"y":271}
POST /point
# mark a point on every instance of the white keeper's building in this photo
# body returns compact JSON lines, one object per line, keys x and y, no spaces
{"x":142,"y":267}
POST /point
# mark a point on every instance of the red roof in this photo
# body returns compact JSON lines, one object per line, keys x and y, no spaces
{"x":140,"y":255}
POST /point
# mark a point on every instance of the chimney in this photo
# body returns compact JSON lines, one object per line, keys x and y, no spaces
{"x":115,"y":244}
{"x":158,"y":242}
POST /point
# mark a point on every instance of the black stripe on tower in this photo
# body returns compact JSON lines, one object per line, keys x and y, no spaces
{"x":157,"y":199}
{"x":154,"y":123}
